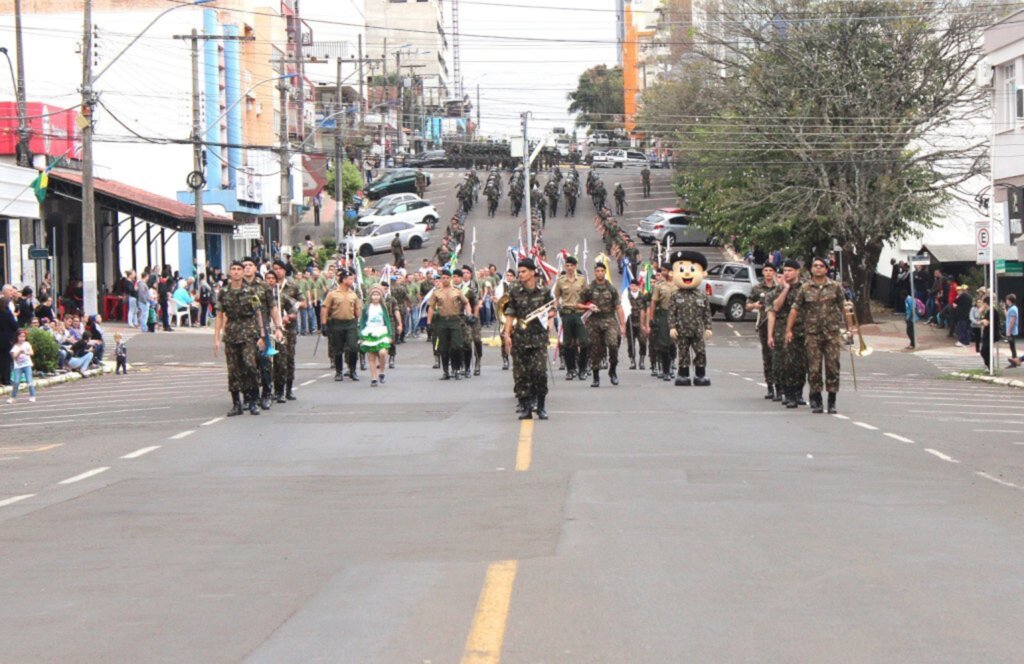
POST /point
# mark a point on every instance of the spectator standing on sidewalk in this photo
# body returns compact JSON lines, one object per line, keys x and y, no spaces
{"x":1012,"y":328}
{"x":1000,"y":322}
{"x":21,"y":358}
{"x":975,"y":317}
{"x":910,"y":306}
{"x":962,"y":313}
{"x":8,"y":331}
{"x":131,"y":291}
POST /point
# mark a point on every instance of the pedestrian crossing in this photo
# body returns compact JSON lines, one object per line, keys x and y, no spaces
{"x":949,"y":360}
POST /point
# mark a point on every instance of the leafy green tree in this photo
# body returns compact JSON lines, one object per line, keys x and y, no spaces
{"x":599,"y":99}
{"x":352,"y":181}
{"x":797,"y":123}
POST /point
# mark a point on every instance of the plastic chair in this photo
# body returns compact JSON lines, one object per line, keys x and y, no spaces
{"x":179,"y":313}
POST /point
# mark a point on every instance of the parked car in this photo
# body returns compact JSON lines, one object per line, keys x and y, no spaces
{"x":729,"y":286}
{"x":394,"y":182}
{"x":672,"y":226}
{"x":619,"y":158}
{"x":428,"y":158}
{"x":597,"y":157}
{"x":377,"y":238}
{"x":599,"y":138}
{"x":417,"y":211}
{"x":387,"y":201}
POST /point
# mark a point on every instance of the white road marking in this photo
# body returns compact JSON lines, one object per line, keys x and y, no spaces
{"x":841,"y":417}
{"x":308,"y":382}
{"x":996,"y":430}
{"x":729,"y":325}
{"x":733,"y":373}
{"x":183,"y":434}
{"x":981,"y":473}
{"x":763,"y":384}
{"x":171,"y":364}
{"x":737,"y":333}
{"x":213,"y":421}
{"x":944,"y":457}
{"x":865,"y":425}
{"x":84,"y":476}
{"x":748,"y":378}
{"x":326,"y":375}
{"x":137,"y":453}
{"x":16,"y":499}
{"x":9,"y":458}
{"x":902,"y":439}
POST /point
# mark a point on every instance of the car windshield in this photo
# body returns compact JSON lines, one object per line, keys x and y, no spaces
{"x":386,"y":210}
{"x":652,"y":218}
{"x":367,"y":230}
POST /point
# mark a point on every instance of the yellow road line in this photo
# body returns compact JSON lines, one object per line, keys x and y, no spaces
{"x":23,"y":450}
{"x":524,"y":451}
{"x":483,"y":645}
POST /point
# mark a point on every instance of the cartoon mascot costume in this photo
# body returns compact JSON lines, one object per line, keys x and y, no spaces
{"x":689,"y":315}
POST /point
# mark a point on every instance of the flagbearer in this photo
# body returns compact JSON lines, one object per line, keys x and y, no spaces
{"x":607,"y":324}
{"x":527,"y":341}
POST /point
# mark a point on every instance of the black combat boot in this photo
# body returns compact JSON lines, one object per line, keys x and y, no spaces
{"x":265,"y":399}
{"x":666,"y":365}
{"x":798,"y":392}
{"x":476,"y":366}
{"x":583,"y":364}
{"x":504,"y":362}
{"x":832,"y":403}
{"x":700,"y":379}
{"x":561,"y":361}
{"x":467,"y":362}
{"x":771,"y":392}
{"x":437,"y":361}
{"x":642,"y":363}
{"x":279,"y":395}
{"x":525,"y":410}
{"x":339,"y":374}
{"x":542,"y":413}
{"x":779,"y":393}
{"x":816,"y":406}
{"x":597,"y":378}
{"x":253,"y":404}
{"x":683,"y":379}
{"x":791,"y":396}
{"x":391,"y":362}
{"x":362,"y":361}
{"x":613,"y":374}
{"x":787,"y":394}
{"x":632,"y":363}
{"x":353,"y":376}
{"x":236,"y":404}
{"x":288,"y":392}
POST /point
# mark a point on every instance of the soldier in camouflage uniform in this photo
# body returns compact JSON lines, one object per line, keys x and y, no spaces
{"x":291,"y":304}
{"x":634,"y":328}
{"x":269,"y":314}
{"x":239,"y":325}
{"x":527,"y":342}
{"x":662,"y":348}
{"x":551,"y":191}
{"x":471,"y":289}
{"x":689,"y":315}
{"x":645,"y":180}
{"x":421,"y":182}
{"x":571,"y":191}
{"x":606,"y":326}
{"x":465,"y":351}
{"x":789,"y":363}
{"x":820,"y":303}
{"x":757,"y":303}
{"x":575,"y":343}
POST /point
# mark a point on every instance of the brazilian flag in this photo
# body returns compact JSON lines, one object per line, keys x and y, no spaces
{"x":39,"y":185}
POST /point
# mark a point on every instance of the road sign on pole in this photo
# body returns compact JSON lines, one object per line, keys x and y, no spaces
{"x":983,"y":241}
{"x":921,"y":259}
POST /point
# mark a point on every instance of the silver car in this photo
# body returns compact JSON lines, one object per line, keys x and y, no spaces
{"x":672,"y":225}
{"x":729,"y":286}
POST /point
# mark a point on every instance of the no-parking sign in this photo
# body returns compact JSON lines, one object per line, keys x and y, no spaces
{"x":983,"y":241}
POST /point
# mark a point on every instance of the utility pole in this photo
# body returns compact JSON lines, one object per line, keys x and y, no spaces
{"x":401,"y":97}
{"x":362,"y":80}
{"x":339,"y":163}
{"x":286,"y":195}
{"x":384,"y":88}
{"x":90,"y":298}
{"x":23,"y":136}
{"x":478,"y":109}
{"x":526,"y":184}
{"x":302,"y":73}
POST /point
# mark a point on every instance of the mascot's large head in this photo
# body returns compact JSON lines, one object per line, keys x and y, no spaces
{"x":688,"y":268}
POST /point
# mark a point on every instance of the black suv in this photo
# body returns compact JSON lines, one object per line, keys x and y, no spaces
{"x":429,"y":158}
{"x":395,"y":182}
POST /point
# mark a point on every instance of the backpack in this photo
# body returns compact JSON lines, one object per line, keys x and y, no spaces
{"x":920,"y":306}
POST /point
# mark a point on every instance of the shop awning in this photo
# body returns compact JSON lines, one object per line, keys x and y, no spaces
{"x":142,"y":204}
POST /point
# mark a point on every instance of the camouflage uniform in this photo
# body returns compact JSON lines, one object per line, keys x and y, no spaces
{"x":241,"y":333}
{"x":602,"y":326}
{"x":788,"y":361}
{"x":529,"y":342}
{"x":473,"y":331}
{"x":266,"y":362}
{"x":284,"y":363}
{"x":821,"y":308}
{"x":645,"y":178}
{"x":689,"y":315}
{"x":760,"y":294}
{"x":574,"y":333}
{"x":662,"y":347}
{"x":634,"y":335}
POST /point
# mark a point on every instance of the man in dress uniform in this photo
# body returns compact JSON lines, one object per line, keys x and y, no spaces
{"x":820,"y":302}
{"x":238,"y":326}
{"x":757,"y":303}
{"x":527,"y":341}
{"x":339,"y":318}
{"x":607,"y":324}
{"x":447,"y":304}
{"x":574,"y":334}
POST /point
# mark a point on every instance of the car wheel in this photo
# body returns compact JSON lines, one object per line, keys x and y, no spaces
{"x":366,"y":251}
{"x":416,"y":242}
{"x":670,"y":238}
{"x":430,"y":220}
{"x":645,"y":241}
{"x":736,"y":309}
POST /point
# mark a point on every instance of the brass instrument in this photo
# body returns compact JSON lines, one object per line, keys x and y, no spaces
{"x":537,"y":313}
{"x":853,"y":328}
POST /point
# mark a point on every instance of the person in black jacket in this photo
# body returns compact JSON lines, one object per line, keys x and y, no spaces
{"x":8,"y":332}
{"x":163,"y":291}
{"x":24,"y":308}
{"x":963,"y":305}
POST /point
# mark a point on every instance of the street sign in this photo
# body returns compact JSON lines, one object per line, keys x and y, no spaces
{"x":983,"y":241}
{"x":37,"y":254}
{"x":248,"y":232}
{"x":1009,"y":268}
{"x":922,"y":259}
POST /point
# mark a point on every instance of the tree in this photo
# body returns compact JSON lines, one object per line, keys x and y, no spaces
{"x":811,"y":121}
{"x":599,"y":99}
{"x":352,"y":181}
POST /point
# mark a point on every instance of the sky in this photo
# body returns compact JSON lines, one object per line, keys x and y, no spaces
{"x":525,"y":55}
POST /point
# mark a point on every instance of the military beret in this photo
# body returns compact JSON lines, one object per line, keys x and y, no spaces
{"x":666,"y":266}
{"x":687,"y":255}
{"x":238,"y":263}
{"x":817,"y":259}
{"x":345,"y":273}
{"x":791,"y":262}
{"x":281,"y":264}
{"x":446,"y":272}
{"x":600,"y":264}
{"x":571,"y":259}
{"x":528,"y":264}
{"x":248,"y":259}
{"x":466,"y":267}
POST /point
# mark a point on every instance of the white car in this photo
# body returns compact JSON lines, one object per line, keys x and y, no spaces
{"x":415,"y":212}
{"x":619,"y":158}
{"x":377,"y":238}
{"x":387,"y":201}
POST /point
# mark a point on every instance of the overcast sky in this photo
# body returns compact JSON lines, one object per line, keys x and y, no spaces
{"x":514,"y":74}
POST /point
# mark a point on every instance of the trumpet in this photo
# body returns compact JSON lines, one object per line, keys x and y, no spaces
{"x":853,"y":330}
{"x":537,"y":313}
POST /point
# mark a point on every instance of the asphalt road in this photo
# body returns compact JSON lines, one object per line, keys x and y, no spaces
{"x":421,"y":522}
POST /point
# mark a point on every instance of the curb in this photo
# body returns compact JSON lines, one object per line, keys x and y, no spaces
{"x":995,"y":380}
{"x":70,"y":377}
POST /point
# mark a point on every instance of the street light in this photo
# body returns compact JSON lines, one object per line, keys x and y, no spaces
{"x":137,"y":37}
{"x":19,"y":95}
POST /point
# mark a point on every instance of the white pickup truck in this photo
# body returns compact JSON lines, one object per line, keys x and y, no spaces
{"x":730,"y":285}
